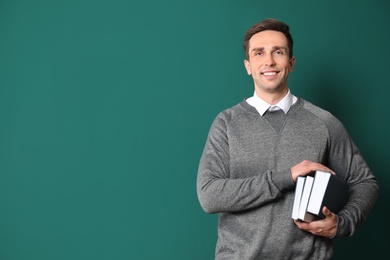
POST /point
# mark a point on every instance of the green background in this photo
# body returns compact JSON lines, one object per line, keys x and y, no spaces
{"x":105,"y":107}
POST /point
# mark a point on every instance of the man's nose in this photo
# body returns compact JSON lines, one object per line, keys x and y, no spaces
{"x":270,"y":61}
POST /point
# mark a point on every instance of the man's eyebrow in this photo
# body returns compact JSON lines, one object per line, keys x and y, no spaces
{"x":257,"y":49}
{"x":273,"y":48}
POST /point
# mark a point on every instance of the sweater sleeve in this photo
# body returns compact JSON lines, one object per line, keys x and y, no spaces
{"x":346,"y":160}
{"x":218,"y":192}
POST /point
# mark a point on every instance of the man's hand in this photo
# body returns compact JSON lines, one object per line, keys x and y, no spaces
{"x":306,"y":167}
{"x":326,"y":227}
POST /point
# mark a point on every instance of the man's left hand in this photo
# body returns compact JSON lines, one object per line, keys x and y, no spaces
{"x":326,"y":227}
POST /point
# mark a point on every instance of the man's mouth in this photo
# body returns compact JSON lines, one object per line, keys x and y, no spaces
{"x":269,"y":73}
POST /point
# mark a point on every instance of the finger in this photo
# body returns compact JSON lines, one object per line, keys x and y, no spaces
{"x":326,"y":212}
{"x":321,"y":167}
{"x":329,"y":170}
{"x":299,"y":223}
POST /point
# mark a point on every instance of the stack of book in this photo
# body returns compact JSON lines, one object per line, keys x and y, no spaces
{"x":312,"y":193}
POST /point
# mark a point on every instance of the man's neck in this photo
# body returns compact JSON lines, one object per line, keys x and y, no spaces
{"x":272,"y":98}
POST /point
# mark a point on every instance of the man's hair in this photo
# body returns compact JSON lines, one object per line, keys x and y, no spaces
{"x":269,"y":24}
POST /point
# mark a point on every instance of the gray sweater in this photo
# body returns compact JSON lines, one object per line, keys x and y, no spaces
{"x":244,"y":176}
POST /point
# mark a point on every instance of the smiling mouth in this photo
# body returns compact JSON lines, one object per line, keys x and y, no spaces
{"x":270,"y":73}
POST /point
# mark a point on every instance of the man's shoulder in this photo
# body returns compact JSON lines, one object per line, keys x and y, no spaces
{"x":241,"y":108}
{"x":317,"y":111}
{"x":325,"y":116}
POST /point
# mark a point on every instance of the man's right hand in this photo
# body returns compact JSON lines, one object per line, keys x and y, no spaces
{"x":306,"y":167}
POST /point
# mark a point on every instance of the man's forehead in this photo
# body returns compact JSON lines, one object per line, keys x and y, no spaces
{"x":268,"y":39}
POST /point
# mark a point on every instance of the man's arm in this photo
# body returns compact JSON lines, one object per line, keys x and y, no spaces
{"x":218,"y":192}
{"x":346,"y":160}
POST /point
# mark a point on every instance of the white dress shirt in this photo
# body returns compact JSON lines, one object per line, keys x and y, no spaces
{"x":262,"y":106}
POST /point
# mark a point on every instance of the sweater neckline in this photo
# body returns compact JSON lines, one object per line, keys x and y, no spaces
{"x":294,"y":107}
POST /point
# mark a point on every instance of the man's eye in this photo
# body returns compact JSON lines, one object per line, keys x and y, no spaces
{"x":258,"y":53}
{"x":279,"y":52}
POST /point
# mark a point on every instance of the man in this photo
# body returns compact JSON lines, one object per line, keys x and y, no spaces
{"x":256,"y":150}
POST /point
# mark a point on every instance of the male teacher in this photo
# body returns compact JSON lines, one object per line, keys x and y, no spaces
{"x":255,"y":151}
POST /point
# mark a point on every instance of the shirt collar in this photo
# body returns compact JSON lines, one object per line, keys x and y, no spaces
{"x":262,"y":106}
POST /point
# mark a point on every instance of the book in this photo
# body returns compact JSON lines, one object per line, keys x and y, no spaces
{"x":297,"y":197}
{"x":328,"y":190}
{"x":302,"y":213}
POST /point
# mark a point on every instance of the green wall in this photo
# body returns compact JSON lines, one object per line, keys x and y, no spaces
{"x":105,"y":107}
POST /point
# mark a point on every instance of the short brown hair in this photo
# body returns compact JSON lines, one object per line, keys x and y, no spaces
{"x":269,"y":24}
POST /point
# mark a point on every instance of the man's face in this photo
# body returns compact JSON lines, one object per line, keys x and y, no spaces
{"x":269,"y":62}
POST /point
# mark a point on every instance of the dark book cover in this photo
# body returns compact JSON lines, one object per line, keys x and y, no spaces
{"x":328,"y":190}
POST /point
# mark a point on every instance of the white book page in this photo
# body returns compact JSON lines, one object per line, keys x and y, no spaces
{"x":305,"y":197}
{"x":298,"y":195}
{"x":319,"y":186}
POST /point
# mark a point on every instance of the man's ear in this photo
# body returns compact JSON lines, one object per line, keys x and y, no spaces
{"x":292,"y":63}
{"x":248,"y":67}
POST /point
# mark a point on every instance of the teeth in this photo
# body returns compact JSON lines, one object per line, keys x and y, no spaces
{"x":269,"y":73}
